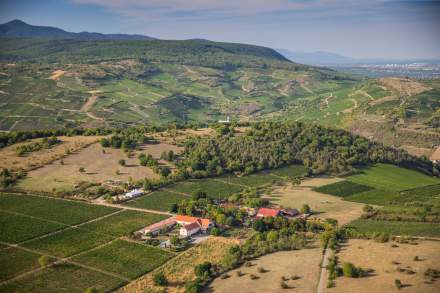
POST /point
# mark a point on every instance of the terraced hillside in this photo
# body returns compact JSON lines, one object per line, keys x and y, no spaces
{"x":57,"y":83}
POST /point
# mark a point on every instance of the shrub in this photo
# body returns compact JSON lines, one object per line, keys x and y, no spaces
{"x":261,"y":270}
{"x":159,"y":279}
{"x":91,"y":290}
{"x":203,"y":270}
{"x":193,"y":286}
{"x":239,"y":273}
{"x":43,"y":261}
{"x":284,"y":285}
{"x":121,"y":162}
{"x":398,"y":284}
{"x":305,"y":209}
{"x":81,"y":169}
{"x":350,"y":271}
{"x":253,"y":277}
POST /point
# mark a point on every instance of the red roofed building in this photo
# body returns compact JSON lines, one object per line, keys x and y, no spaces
{"x":190,"y":229}
{"x":268,"y":212}
{"x":192,"y":222}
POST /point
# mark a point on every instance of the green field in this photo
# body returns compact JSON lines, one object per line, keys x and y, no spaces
{"x":51,"y":209}
{"x":213,"y":188}
{"x":252,"y":180}
{"x":63,"y":278}
{"x":397,"y":227}
{"x":421,"y":195}
{"x":15,"y":261}
{"x":123,"y":223}
{"x":68,"y":242}
{"x":290,"y":172}
{"x":16,"y":228}
{"x":390,"y":177}
{"x":374,"y":196}
{"x":343,"y":188}
{"x":126,"y":258}
{"x":158,"y":200}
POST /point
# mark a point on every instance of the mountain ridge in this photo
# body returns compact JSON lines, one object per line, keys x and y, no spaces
{"x":20,"y":29}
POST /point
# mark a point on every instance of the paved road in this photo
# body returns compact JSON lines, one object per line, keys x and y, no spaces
{"x":322,"y":285}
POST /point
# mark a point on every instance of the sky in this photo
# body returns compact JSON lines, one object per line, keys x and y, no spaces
{"x":385,"y":29}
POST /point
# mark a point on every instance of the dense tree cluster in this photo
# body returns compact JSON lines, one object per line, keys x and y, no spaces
{"x":274,"y":144}
{"x":36,"y":146}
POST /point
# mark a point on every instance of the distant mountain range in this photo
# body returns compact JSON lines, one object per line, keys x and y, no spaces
{"x":317,"y":58}
{"x":20,"y":29}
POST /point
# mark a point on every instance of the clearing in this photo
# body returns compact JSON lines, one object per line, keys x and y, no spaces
{"x":324,"y":205}
{"x":380,"y":257}
{"x":57,"y":74}
{"x":10,"y":159}
{"x":99,"y":166}
{"x":303,"y":263}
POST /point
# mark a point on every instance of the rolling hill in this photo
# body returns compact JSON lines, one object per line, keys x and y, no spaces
{"x":72,"y":82}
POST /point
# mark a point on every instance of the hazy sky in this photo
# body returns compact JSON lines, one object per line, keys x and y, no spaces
{"x":361,"y":29}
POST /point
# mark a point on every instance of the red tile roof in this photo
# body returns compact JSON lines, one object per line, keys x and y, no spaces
{"x":192,"y":226}
{"x":204,"y":223}
{"x":268,"y":212}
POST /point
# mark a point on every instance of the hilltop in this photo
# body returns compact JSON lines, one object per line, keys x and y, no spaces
{"x":19,"y":29}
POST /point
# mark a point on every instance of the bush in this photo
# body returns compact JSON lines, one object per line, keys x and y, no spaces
{"x":193,"y":286}
{"x":91,"y":290}
{"x":305,"y":209}
{"x":350,"y":271}
{"x":43,"y":261}
{"x":159,"y":279}
{"x":121,"y":162}
{"x":398,"y":284}
{"x":81,"y":170}
{"x":253,"y":277}
{"x":284,"y":285}
{"x":203,"y":271}
{"x":261,"y":270}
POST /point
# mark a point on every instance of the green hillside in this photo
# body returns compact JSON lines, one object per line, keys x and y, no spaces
{"x":122,"y":83}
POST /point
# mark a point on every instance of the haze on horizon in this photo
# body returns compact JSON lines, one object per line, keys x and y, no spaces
{"x":384,"y":29}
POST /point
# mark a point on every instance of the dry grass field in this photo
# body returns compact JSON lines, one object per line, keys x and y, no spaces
{"x":380,"y":258}
{"x":9,"y":158}
{"x":99,"y":166}
{"x":326,"y":206}
{"x":180,"y":269}
{"x":303,"y":263}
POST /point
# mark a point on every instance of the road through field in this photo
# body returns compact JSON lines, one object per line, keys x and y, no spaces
{"x":322,"y":284}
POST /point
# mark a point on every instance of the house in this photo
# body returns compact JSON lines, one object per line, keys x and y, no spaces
{"x":190,"y":229}
{"x":290,"y":212}
{"x":225,"y":121}
{"x":190,"y":223}
{"x":268,"y":212}
{"x":156,"y":228}
{"x":134,"y":193}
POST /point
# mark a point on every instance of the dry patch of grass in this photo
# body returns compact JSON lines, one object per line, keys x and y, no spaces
{"x":57,"y":74}
{"x":180,"y":269}
{"x":276,"y":267}
{"x":9,"y":158}
{"x":404,"y":86}
{"x":436,"y":154}
{"x":99,"y":166}
{"x":324,"y":205}
{"x":385,"y":261}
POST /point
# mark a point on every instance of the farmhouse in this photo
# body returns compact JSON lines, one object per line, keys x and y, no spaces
{"x":190,"y":229}
{"x":189,"y":224}
{"x":156,"y":228}
{"x":268,"y":212}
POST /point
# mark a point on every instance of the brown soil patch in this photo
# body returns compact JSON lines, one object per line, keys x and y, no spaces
{"x":180,"y":269}
{"x":404,"y":86}
{"x":323,"y":205}
{"x":436,"y":154}
{"x":383,"y":100}
{"x":99,"y":166}
{"x":90,"y":102}
{"x":303,"y":263}
{"x":415,"y":151}
{"x":57,"y":74}
{"x":379,"y":257}
{"x":9,"y":158}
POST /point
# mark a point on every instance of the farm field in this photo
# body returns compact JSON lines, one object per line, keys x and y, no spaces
{"x":99,"y":166}
{"x":123,"y":223}
{"x":62,"y":277}
{"x":214,"y":189}
{"x":369,"y":254}
{"x":390,"y":177}
{"x":91,"y":253}
{"x":180,"y":269}
{"x":10,"y":159}
{"x":126,"y":258}
{"x":405,"y":228}
{"x":303,"y":263}
{"x":289,"y":172}
{"x":52,"y":209}
{"x":158,"y":200}
{"x":323,"y":205}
